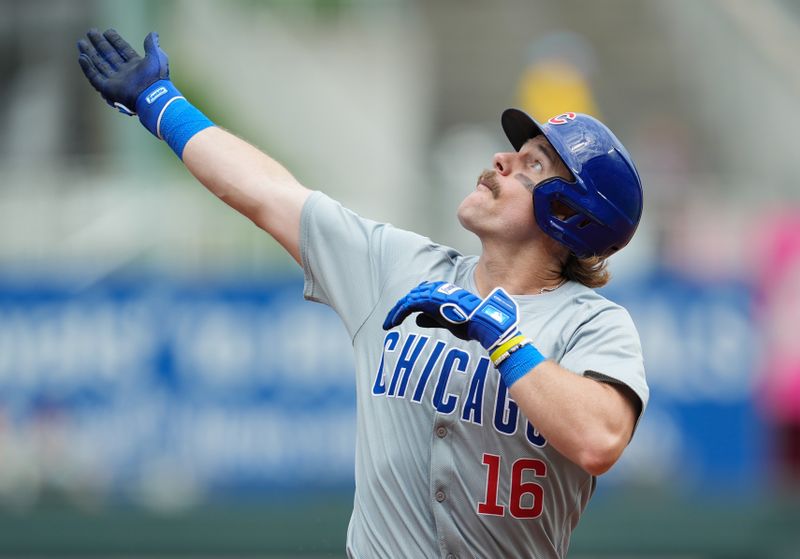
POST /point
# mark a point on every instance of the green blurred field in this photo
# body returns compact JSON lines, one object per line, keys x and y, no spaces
{"x":621,"y":527}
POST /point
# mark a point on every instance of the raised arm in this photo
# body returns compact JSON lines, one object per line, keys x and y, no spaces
{"x":240,"y":175}
{"x":250,"y":182}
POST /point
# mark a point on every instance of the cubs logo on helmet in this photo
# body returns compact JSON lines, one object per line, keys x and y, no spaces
{"x":563,"y":118}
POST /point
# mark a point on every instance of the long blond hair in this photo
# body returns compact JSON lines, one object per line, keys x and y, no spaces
{"x":591,"y":272}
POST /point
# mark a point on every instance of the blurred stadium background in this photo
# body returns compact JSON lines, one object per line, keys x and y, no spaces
{"x":146,"y":404}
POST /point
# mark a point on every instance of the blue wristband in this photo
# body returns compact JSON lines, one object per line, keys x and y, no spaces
{"x":519,"y":364}
{"x":169,"y":116}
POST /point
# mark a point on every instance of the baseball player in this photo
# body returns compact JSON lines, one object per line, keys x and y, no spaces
{"x":484,"y":419}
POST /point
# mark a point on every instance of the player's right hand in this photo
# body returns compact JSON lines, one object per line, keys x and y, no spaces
{"x":117,"y":71}
{"x":489,"y":321}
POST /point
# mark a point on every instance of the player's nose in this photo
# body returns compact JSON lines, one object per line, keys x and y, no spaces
{"x":503,"y":162}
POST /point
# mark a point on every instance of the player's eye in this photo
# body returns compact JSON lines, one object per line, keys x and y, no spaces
{"x":536,"y":166}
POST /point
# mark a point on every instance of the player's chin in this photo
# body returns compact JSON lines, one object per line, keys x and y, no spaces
{"x":474,"y":201}
{"x":470,"y":215}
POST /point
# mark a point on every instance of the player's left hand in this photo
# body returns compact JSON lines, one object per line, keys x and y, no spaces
{"x":490,"y":321}
{"x":117,"y":71}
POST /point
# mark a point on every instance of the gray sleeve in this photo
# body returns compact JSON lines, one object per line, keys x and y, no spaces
{"x":607,"y":348}
{"x":347,"y":259}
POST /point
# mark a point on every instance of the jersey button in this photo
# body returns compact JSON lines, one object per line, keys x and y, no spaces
{"x":440,"y":496}
{"x":441,"y":432}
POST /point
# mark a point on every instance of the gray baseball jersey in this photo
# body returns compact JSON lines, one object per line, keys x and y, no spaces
{"x":446,"y":464}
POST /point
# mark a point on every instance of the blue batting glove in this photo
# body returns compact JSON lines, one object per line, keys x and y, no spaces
{"x":439,"y":301}
{"x":443,"y":304}
{"x":492,"y":322}
{"x":117,"y":71}
{"x":140,"y":86}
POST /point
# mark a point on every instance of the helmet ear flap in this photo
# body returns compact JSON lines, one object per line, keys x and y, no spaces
{"x":577,"y":219}
{"x":551,"y":209}
{"x":562,"y":217}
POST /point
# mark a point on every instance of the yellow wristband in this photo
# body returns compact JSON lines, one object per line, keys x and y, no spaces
{"x":497,"y":353}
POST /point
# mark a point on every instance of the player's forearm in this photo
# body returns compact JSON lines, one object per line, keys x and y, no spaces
{"x":250,"y":182}
{"x":587,"y":421}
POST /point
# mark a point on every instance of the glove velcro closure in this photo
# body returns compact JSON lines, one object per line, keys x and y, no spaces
{"x":152,"y":102}
{"x":494,"y":319}
{"x":169,"y":116}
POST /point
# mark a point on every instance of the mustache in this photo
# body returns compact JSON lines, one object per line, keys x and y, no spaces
{"x":489,"y":178}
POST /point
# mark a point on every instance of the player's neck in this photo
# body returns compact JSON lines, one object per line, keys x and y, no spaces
{"x":524,"y":270}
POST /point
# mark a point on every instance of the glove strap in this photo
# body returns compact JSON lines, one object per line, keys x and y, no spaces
{"x":495,"y":319}
{"x":169,"y":116}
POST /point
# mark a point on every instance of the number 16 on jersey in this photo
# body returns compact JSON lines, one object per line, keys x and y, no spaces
{"x":518,"y":505}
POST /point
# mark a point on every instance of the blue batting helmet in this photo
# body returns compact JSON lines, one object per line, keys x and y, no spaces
{"x":606,"y":194}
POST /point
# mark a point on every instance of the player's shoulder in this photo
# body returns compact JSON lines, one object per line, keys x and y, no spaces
{"x":589,"y":295}
{"x":590,"y":304}
{"x":399,"y":245}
